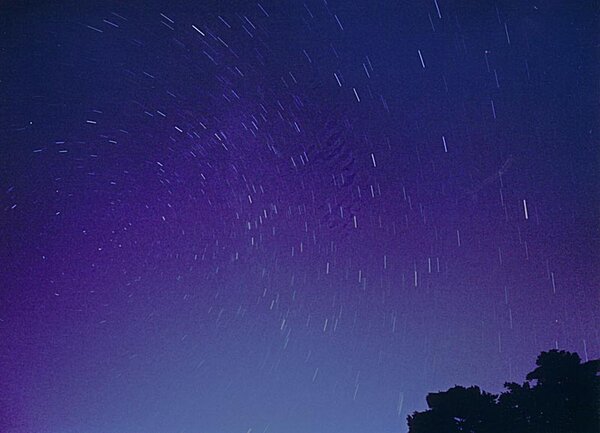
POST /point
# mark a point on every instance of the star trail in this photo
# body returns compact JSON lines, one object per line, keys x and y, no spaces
{"x":289,"y":216}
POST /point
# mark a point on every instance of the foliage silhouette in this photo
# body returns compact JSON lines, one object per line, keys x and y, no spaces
{"x":561,"y":395}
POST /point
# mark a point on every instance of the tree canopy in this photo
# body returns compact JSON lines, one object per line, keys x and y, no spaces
{"x":561,"y":395}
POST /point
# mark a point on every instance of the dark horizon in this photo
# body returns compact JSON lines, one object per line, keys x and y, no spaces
{"x":291,"y":216}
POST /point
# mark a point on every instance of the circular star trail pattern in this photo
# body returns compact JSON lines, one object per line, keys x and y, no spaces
{"x":289,"y":217}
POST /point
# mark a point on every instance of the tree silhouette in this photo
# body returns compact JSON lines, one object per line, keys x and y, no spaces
{"x":561,"y":395}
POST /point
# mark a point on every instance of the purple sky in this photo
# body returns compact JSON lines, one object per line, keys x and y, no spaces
{"x":288,"y":217}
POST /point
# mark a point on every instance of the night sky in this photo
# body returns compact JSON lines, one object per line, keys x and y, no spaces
{"x":288,"y":216}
